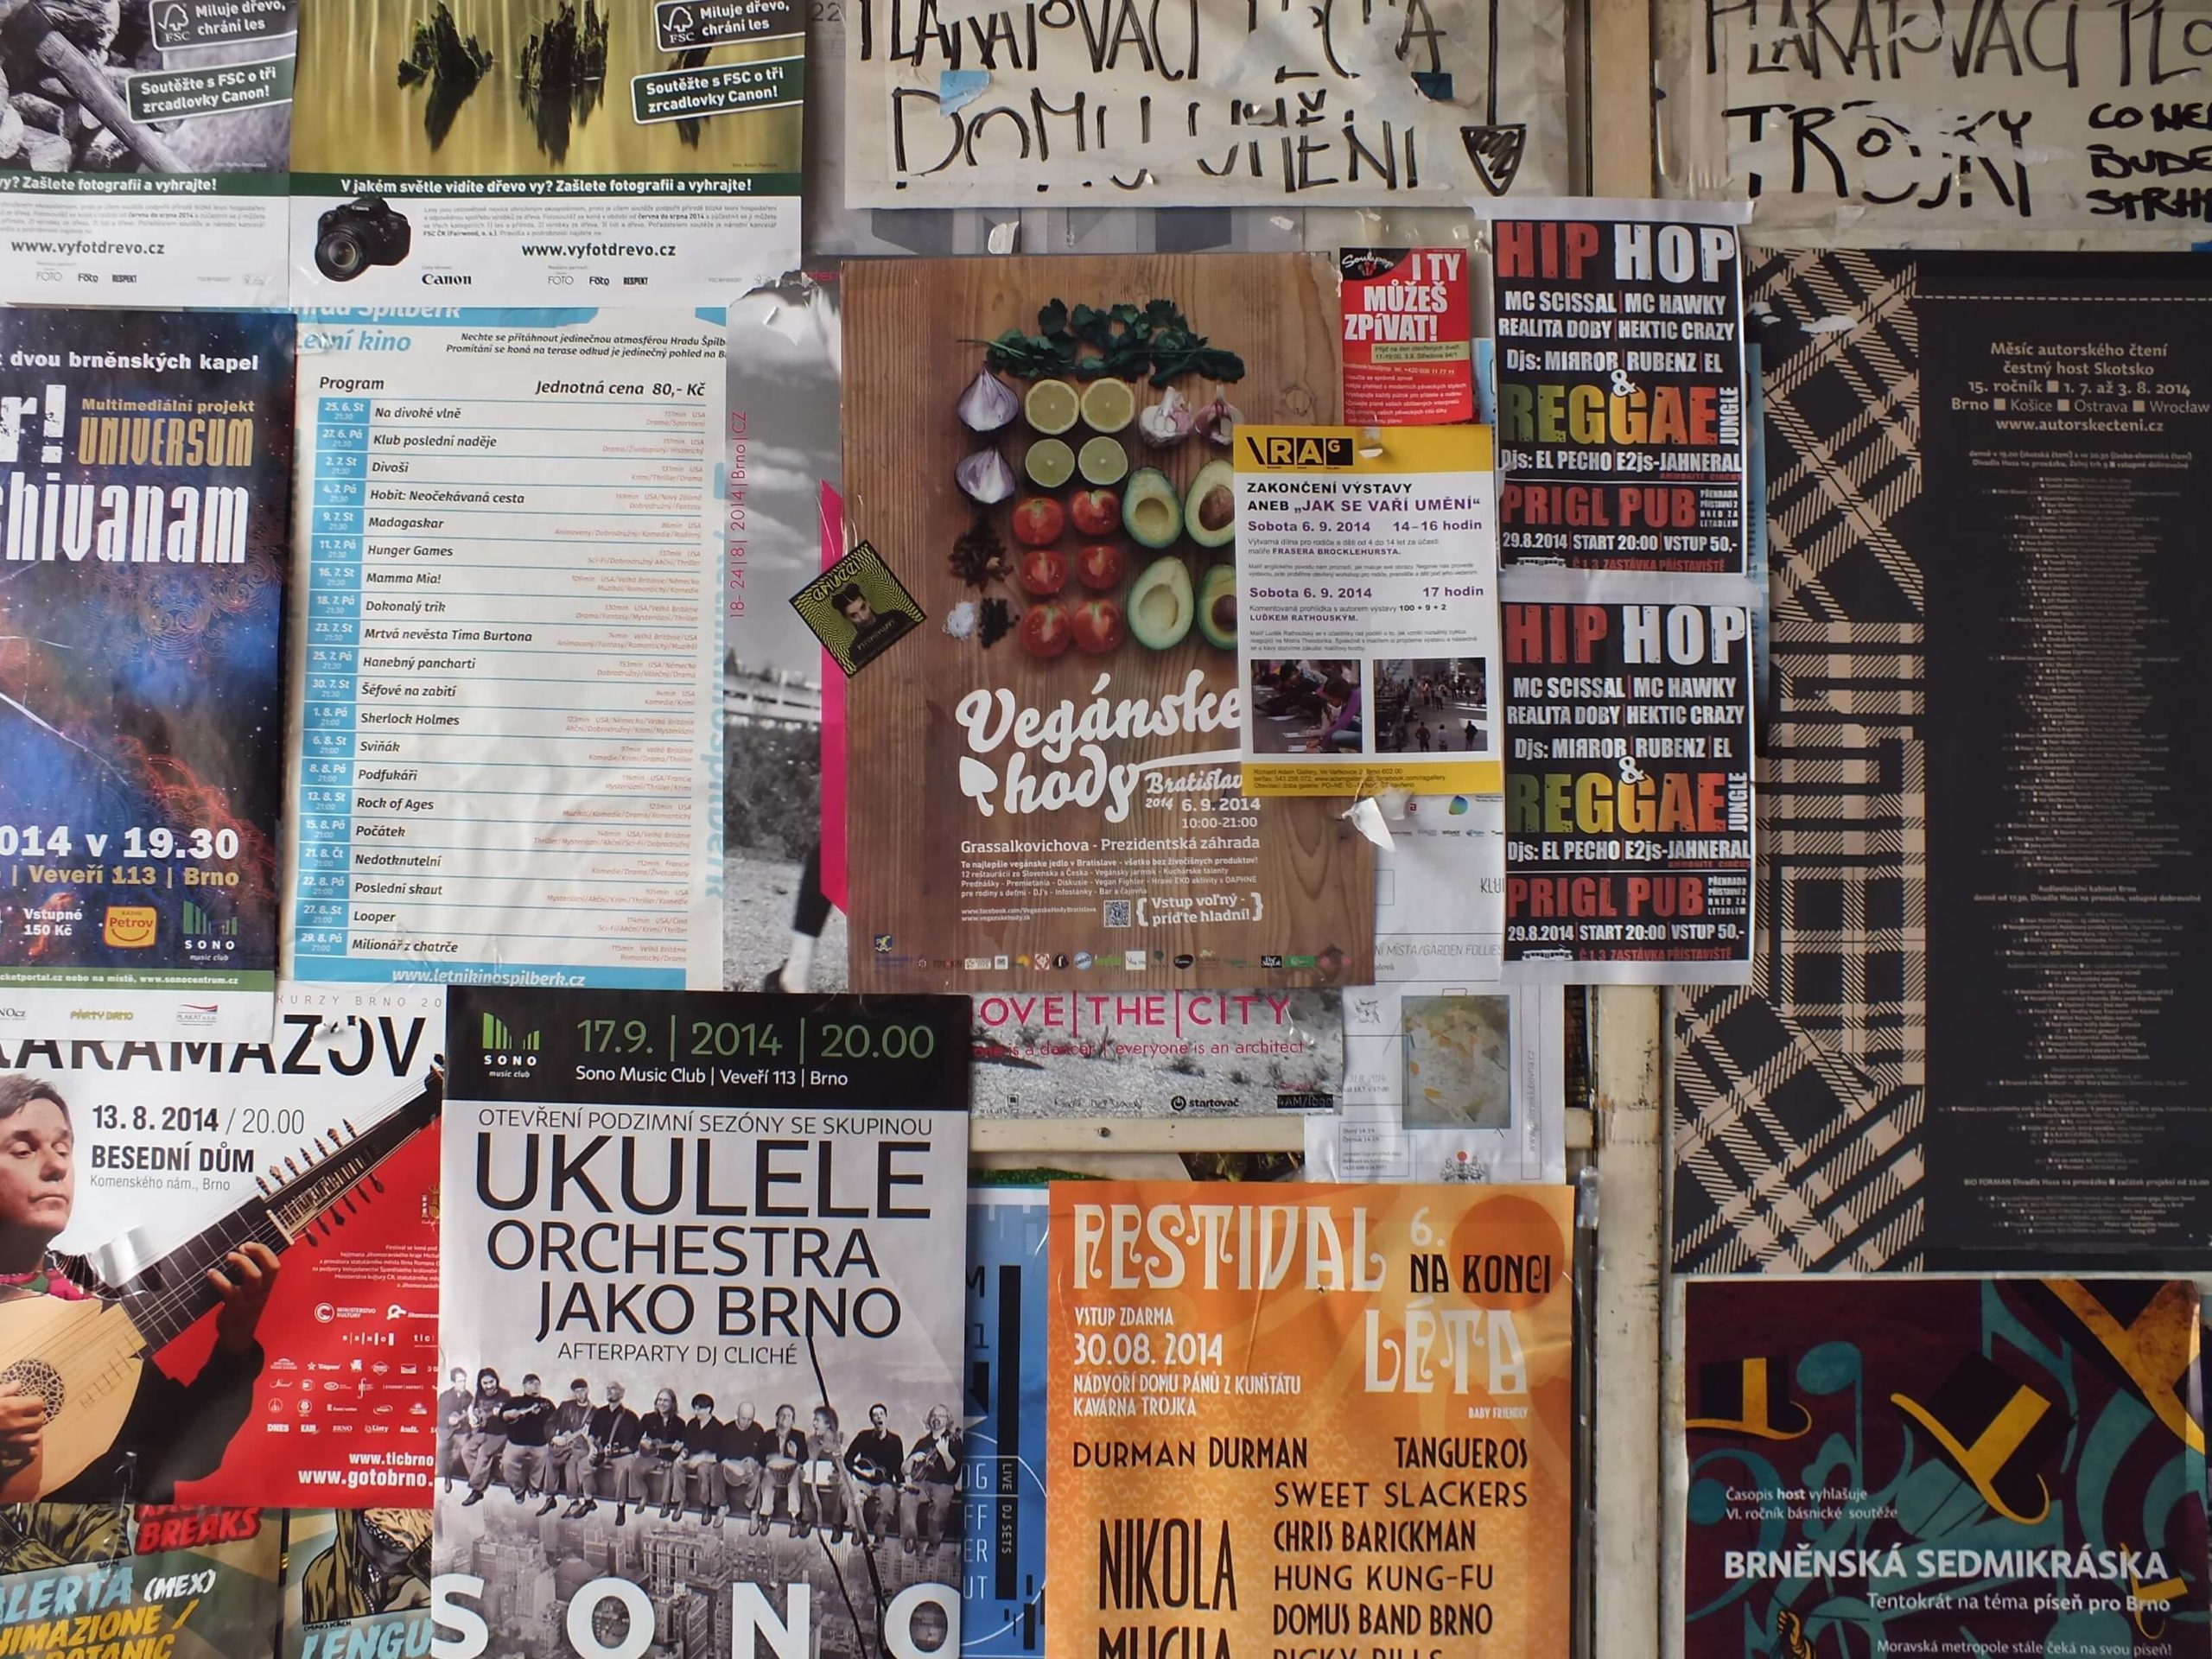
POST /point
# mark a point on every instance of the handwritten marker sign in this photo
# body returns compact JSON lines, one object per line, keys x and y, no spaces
{"x":1208,"y":102}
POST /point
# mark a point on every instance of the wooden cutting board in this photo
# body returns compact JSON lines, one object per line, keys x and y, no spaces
{"x":909,"y":353}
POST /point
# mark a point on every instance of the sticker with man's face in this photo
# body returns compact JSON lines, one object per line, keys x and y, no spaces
{"x":857,"y":608}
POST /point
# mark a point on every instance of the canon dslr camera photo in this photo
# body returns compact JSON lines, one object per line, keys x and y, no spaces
{"x":355,"y":235}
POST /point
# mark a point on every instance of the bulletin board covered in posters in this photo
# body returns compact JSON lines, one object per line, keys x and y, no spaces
{"x":1049,"y":765}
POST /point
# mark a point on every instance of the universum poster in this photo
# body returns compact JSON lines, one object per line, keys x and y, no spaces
{"x":145,"y":495}
{"x":702,"y":1281}
{"x":515,"y":152}
{"x":1324,"y":1416}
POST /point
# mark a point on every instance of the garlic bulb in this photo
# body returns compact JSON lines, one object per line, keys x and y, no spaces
{"x":1217,"y":420}
{"x":1166,"y":422}
{"x":985,"y":476}
{"x":988,"y":404}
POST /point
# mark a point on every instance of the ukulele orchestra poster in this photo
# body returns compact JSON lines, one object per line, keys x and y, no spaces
{"x":702,"y":1293}
{"x":300,"y":1171}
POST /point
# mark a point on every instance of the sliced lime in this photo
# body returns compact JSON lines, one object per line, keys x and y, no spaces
{"x":1050,"y":463}
{"x":1103,"y":460}
{"x":1109,"y":405}
{"x":1052,"y":406}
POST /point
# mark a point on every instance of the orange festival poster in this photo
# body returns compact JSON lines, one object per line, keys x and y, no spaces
{"x":1309,"y":1422}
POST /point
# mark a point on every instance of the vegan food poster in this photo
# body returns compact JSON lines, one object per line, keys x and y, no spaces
{"x":1043,"y":776}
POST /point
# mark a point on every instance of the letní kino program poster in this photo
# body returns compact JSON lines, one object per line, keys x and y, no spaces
{"x":702,"y":1281}
{"x":145,"y":489}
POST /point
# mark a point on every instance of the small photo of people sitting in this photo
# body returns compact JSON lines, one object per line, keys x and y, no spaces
{"x":1432,"y":705}
{"x":1308,"y":706}
{"x":694,"y":1459}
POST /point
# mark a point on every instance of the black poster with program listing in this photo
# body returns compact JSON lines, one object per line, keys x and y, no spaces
{"x":2069,"y":432}
{"x":1972,"y":1038}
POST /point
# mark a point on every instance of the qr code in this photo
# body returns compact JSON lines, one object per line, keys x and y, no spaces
{"x":1117,"y":912}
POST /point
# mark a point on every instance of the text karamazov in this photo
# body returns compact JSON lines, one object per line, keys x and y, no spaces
{"x":2116,"y":1566}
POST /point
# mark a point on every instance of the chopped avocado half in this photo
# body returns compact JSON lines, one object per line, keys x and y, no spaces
{"x":1152,"y":514}
{"x":1217,"y":606}
{"x":1161,"y":607}
{"x":1209,"y":510}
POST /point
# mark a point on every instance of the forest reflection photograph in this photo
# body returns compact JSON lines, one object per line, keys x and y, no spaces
{"x":515,"y":87}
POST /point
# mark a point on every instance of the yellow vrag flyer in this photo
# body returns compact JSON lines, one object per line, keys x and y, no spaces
{"x":1367,"y":602}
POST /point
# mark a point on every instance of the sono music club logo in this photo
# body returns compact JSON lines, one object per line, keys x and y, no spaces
{"x":506,"y":1052}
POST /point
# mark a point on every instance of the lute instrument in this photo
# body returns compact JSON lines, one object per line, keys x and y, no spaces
{"x":82,"y":1358}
